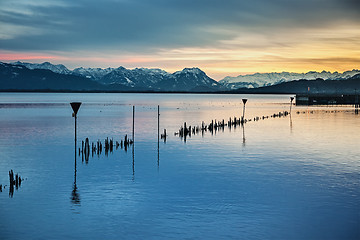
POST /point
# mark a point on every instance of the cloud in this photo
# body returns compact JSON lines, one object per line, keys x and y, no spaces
{"x":178,"y":33}
{"x":141,"y":25}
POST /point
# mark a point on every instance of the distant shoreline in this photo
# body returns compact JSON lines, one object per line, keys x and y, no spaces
{"x":155,"y":92}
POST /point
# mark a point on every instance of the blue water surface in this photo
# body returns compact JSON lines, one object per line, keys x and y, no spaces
{"x":295,"y":177}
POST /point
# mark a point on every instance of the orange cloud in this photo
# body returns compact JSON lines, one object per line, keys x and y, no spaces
{"x":14,"y":56}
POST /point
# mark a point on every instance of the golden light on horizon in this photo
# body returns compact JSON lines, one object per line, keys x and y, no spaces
{"x":332,"y":49}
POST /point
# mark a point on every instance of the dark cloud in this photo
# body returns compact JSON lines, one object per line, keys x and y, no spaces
{"x":141,"y":25}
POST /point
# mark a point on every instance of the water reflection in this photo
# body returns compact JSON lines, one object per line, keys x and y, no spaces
{"x":75,"y":196}
{"x":276,"y":176}
{"x":133,"y":160}
{"x":158,"y":152}
{"x":243,"y":135}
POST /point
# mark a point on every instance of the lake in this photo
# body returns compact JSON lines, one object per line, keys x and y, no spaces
{"x":293,"y":177}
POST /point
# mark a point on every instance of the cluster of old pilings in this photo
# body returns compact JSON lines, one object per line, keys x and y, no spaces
{"x":164,"y":135}
{"x":326,"y":111}
{"x":212,"y":127}
{"x":96,"y":148}
{"x":186,"y":131}
{"x":14,"y":183}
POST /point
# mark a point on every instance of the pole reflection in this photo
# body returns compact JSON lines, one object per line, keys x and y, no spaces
{"x":243,"y":135}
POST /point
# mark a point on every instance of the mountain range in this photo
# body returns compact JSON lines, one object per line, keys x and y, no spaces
{"x":47,"y":76}
{"x":317,"y":86}
{"x":138,"y":79}
{"x":268,"y":79}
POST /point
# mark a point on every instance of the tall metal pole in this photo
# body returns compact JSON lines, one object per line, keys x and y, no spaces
{"x":244,"y":100}
{"x":133,"y":146}
{"x":158,"y":122}
{"x":243,"y":112}
{"x":75,"y":135}
{"x":158,"y":162}
{"x":133,"y":124}
{"x":75,"y":196}
{"x":291,"y":100}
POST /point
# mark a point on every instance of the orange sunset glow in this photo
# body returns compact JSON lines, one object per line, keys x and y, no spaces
{"x":230,"y":47}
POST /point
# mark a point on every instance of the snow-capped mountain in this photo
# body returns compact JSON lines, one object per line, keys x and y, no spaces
{"x":19,"y":77}
{"x":93,"y":73}
{"x":156,"y":79}
{"x":59,"y":68}
{"x":138,"y":77}
{"x":268,"y":79}
{"x":189,"y":79}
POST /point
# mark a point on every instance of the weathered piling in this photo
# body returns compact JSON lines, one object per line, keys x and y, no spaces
{"x":163,"y":136}
{"x":111,"y":145}
{"x":98,"y":147}
{"x":16,"y":181}
{"x":11,"y":190}
{"x":87,"y":150}
{"x":87,"y":146}
{"x":216,"y":125}
{"x":11,"y":178}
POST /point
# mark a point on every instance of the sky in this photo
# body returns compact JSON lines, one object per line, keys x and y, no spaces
{"x":223,"y":38}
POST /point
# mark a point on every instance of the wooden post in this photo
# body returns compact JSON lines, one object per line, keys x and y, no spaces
{"x":291,"y":100}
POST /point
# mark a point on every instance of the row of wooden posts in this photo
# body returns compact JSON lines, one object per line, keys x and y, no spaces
{"x":98,"y":147}
{"x":183,"y":131}
{"x":14,"y":182}
{"x":109,"y":144}
{"x":215,"y":125}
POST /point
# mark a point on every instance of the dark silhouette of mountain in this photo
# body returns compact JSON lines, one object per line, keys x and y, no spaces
{"x":18,"y":77}
{"x":40,"y":77}
{"x":27,"y":76}
{"x":189,"y":79}
{"x":137,"y":78}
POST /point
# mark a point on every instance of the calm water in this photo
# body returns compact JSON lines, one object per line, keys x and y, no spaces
{"x":295,"y":177}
